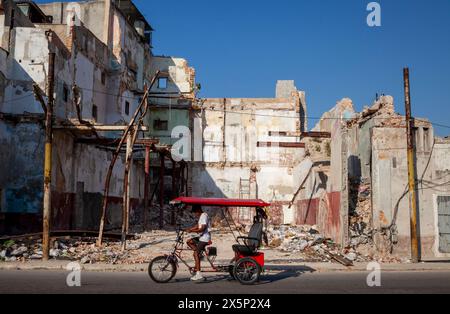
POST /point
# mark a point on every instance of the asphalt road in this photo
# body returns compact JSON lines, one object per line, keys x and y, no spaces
{"x":294,"y":281}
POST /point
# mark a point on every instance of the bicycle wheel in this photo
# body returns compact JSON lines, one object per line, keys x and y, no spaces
{"x":161,"y":269}
{"x":247,"y":271}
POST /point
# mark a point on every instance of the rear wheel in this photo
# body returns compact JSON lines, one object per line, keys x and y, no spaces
{"x":247,"y":271}
{"x":162,"y":269}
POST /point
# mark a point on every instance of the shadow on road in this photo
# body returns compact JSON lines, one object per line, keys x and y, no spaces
{"x":284,"y":272}
{"x":272,"y":275}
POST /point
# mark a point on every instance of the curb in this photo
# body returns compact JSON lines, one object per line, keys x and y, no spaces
{"x":270,"y":266}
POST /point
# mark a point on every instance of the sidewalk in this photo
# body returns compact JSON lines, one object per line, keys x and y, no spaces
{"x":270,"y":266}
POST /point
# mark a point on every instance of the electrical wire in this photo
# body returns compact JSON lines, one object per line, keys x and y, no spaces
{"x":154,"y":95}
{"x":255,"y":114}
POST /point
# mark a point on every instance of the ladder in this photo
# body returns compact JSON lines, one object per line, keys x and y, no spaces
{"x":244,"y":189}
{"x":244,"y":193}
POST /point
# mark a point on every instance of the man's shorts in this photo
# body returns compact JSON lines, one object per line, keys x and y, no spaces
{"x":200,"y":245}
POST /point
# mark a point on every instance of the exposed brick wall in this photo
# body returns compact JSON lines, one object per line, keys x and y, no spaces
{"x":276,"y":216}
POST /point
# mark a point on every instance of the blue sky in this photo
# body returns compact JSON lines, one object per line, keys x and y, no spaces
{"x":241,"y":47}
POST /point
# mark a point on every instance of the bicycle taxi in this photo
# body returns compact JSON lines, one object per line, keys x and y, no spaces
{"x":246,"y":265}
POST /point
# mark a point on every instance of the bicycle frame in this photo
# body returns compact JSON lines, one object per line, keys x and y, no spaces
{"x":177,"y":255}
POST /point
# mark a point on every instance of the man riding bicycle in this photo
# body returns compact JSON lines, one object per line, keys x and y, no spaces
{"x":198,"y":244}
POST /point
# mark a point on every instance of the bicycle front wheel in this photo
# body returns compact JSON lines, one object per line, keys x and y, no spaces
{"x":162,"y":269}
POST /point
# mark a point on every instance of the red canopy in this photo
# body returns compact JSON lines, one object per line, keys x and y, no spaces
{"x":221,"y":202}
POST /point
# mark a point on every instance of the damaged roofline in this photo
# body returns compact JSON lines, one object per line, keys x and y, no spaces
{"x":133,"y":11}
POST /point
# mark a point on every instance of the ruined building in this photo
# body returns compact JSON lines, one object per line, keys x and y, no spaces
{"x":103,"y":62}
{"x":368,"y":167}
{"x":347,"y":175}
{"x":238,"y":154}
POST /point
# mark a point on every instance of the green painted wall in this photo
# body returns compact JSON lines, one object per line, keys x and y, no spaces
{"x":174,"y":117}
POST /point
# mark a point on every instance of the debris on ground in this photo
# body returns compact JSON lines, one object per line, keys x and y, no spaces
{"x":83,"y":250}
{"x":304,"y":243}
{"x":360,"y":219}
{"x":308,"y":241}
{"x":360,"y":213}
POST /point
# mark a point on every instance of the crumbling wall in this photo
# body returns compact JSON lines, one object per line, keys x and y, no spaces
{"x":390,"y":198}
{"x":10,"y":12}
{"x":180,"y":80}
{"x":130,"y":50}
{"x":172,"y":108}
{"x":323,"y":199}
{"x":115,"y":50}
{"x":78,"y":183}
{"x":27,"y":62}
{"x":231,"y":156}
{"x":162,"y":121}
{"x":441,"y":188}
{"x":21,"y":167}
{"x":91,"y":14}
{"x":79,"y":170}
{"x":379,"y":215}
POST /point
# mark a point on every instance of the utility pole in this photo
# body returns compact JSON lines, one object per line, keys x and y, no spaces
{"x":48,"y":158}
{"x":161,"y":190}
{"x":411,"y":170}
{"x":146,"y":186}
{"x":131,"y":140}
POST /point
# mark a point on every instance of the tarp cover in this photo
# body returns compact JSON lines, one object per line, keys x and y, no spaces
{"x":220,"y":202}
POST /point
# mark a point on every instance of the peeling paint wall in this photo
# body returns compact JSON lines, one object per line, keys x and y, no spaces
{"x":21,"y":167}
{"x":323,"y":201}
{"x":117,"y":50}
{"x":79,"y":170}
{"x":180,"y":79}
{"x":168,"y":113}
{"x":6,"y":16}
{"x":91,"y":14}
{"x":373,"y":153}
{"x":390,"y":179}
{"x":79,"y":173}
{"x":27,"y":62}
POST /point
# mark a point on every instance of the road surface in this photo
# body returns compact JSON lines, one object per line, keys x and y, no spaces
{"x":293,"y":281}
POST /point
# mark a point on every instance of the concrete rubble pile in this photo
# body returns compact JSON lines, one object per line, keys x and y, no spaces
{"x":308,"y":241}
{"x":360,"y":219}
{"x":383,"y":110}
{"x":84,"y":250}
{"x":360,"y":215}
{"x":142,"y":248}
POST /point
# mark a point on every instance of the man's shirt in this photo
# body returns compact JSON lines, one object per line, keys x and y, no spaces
{"x":204,"y":220}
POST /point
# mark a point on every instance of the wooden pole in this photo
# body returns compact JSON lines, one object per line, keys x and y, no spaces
{"x":48,"y":159}
{"x":146,"y":186}
{"x":174,"y":192}
{"x":161,"y":191}
{"x":143,"y":104}
{"x":411,"y":170}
